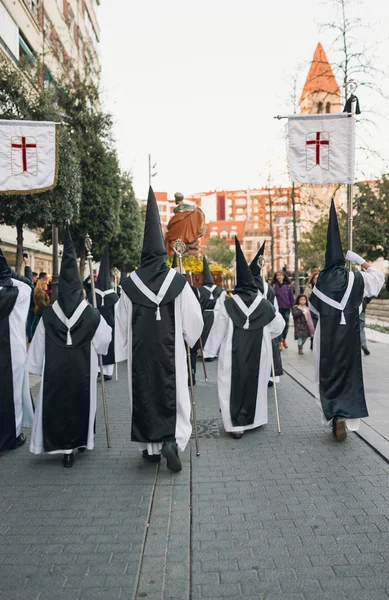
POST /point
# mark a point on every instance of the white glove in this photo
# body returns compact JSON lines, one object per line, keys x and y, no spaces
{"x":354,"y":258}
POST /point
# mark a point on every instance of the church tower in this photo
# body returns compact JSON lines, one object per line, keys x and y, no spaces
{"x":321,"y":93}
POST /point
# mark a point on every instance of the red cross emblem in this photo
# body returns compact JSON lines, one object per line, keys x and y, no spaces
{"x":24,"y":155}
{"x":318,"y":150}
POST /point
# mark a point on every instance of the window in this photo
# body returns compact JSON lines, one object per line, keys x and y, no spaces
{"x":320,"y":107}
{"x":328,"y":107}
{"x":33,"y":6}
{"x":90,"y":28}
{"x":71,"y":22}
{"x":9,"y":32}
{"x":46,"y":27}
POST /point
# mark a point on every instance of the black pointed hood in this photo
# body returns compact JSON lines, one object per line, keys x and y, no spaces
{"x":256,"y":269}
{"x":5,"y":271}
{"x":153,"y":267}
{"x":245,"y":284}
{"x":334,"y":251}
{"x":207,"y":275}
{"x":70,"y":291}
{"x":103,"y":281}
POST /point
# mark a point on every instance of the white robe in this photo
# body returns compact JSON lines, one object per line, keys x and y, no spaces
{"x":188,"y":328}
{"x":36,"y":364}
{"x":17,"y":327}
{"x":373,"y":282}
{"x":221,"y":337}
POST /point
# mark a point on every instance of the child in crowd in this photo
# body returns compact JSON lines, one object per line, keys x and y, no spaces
{"x":303,"y":324}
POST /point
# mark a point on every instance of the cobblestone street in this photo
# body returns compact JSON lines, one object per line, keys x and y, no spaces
{"x":290,"y":516}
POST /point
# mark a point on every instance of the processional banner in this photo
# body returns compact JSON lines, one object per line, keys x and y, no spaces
{"x":28,"y":157}
{"x":322,"y":148}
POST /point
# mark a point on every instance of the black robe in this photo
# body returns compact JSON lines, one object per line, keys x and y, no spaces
{"x":207,"y":307}
{"x":8,"y":297}
{"x":65,"y":409}
{"x":246,"y":357}
{"x":340,"y":368}
{"x":107,"y":311}
{"x":278,"y":370}
{"x":153,"y":364}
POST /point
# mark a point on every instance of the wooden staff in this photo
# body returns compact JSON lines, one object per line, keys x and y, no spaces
{"x":89,"y":257}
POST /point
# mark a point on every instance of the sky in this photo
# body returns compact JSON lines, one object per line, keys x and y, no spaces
{"x":196,"y":84}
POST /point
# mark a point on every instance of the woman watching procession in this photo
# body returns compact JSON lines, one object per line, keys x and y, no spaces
{"x":285,"y":299}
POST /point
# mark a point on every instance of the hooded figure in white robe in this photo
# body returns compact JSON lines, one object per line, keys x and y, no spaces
{"x":243,"y":330}
{"x":106,"y":300}
{"x":336,"y":300}
{"x":157,"y":314}
{"x":16,"y":410}
{"x":267,"y":291}
{"x":64,"y":351}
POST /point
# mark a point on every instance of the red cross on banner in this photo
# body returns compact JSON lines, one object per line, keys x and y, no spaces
{"x":317,"y":144}
{"x":25,"y":161}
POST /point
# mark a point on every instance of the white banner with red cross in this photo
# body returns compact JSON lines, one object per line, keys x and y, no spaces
{"x":322,"y":148}
{"x":28,"y":157}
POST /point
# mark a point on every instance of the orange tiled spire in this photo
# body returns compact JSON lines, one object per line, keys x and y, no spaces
{"x":321,"y":91}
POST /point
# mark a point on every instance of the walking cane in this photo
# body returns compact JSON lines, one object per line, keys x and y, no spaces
{"x":275,"y":393}
{"x":89,"y":257}
{"x":179,"y":248}
{"x":200,"y":340}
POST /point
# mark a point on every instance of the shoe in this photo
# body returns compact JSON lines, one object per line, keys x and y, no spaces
{"x":280,"y":346}
{"x":154,"y":458}
{"x":211,"y":359}
{"x":20,"y":440}
{"x":107,"y":377}
{"x":366,"y":352}
{"x":284,"y":344}
{"x":339,"y":429}
{"x":301,"y":351}
{"x":170,"y":452}
{"x":270,"y":384}
{"x":82,"y":449}
{"x":237,"y":436}
{"x":68,"y":460}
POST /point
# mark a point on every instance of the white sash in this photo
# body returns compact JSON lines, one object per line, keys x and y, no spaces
{"x":210,"y":290}
{"x":245,"y":310}
{"x":73,"y":319}
{"x":103,"y":294}
{"x":338,"y":305}
{"x":157,"y":299}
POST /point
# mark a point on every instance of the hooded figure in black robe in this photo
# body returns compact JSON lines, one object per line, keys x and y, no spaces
{"x":336,"y":300}
{"x":210,"y":296}
{"x":64,"y":351}
{"x":157,"y":313}
{"x":243,"y":330}
{"x":16,"y":409}
{"x":270,"y":295}
{"x":106,"y":300}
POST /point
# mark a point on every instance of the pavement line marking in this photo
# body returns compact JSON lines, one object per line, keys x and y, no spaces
{"x":149,"y":511}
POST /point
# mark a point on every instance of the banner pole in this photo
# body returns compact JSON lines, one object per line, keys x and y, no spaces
{"x":350,"y":188}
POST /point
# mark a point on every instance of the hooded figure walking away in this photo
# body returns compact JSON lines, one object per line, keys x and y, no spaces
{"x":268,"y":292}
{"x":243,"y":330}
{"x":211,"y":297}
{"x":157,"y":313}
{"x":336,"y":300}
{"x":64,"y":352}
{"x":16,"y":410}
{"x":106,"y":300}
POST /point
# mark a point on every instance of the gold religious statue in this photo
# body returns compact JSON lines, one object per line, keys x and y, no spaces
{"x":187,"y":224}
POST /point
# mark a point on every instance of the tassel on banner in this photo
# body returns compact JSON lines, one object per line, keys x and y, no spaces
{"x":68,"y":338}
{"x":343,"y":320}
{"x":158,"y":313}
{"x":247,"y":324}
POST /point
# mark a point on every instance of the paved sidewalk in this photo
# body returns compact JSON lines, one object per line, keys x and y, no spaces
{"x":375,"y":428}
{"x":290,"y":516}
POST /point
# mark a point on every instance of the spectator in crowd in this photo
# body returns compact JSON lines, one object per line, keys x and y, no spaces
{"x":308,"y":291}
{"x":285,"y":299}
{"x":303,"y":324}
{"x":41,"y":300}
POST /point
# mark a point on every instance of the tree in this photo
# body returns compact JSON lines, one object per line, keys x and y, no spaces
{"x":21,"y":98}
{"x":312,"y":246}
{"x":217,"y":250}
{"x":126,"y":246}
{"x":371,"y":223}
